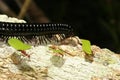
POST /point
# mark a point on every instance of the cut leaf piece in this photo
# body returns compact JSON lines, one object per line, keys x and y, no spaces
{"x":86,"y":46}
{"x":17,"y":44}
{"x":57,"y":51}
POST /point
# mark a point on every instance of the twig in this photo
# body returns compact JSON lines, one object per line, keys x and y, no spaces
{"x":24,"y":9}
{"x":37,"y":15}
{"x":34,"y":13}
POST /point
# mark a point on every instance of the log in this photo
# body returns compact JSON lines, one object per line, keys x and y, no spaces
{"x":66,"y":61}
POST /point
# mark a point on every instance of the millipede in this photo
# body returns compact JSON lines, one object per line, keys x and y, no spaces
{"x":35,"y":32}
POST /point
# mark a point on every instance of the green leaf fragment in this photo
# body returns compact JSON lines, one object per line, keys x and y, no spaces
{"x":57,"y":51}
{"x":17,"y":44}
{"x":86,"y":46}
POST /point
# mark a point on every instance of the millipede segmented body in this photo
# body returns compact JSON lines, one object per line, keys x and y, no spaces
{"x":43,"y":32}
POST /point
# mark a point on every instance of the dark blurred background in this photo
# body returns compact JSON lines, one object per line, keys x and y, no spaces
{"x":95,"y":20}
